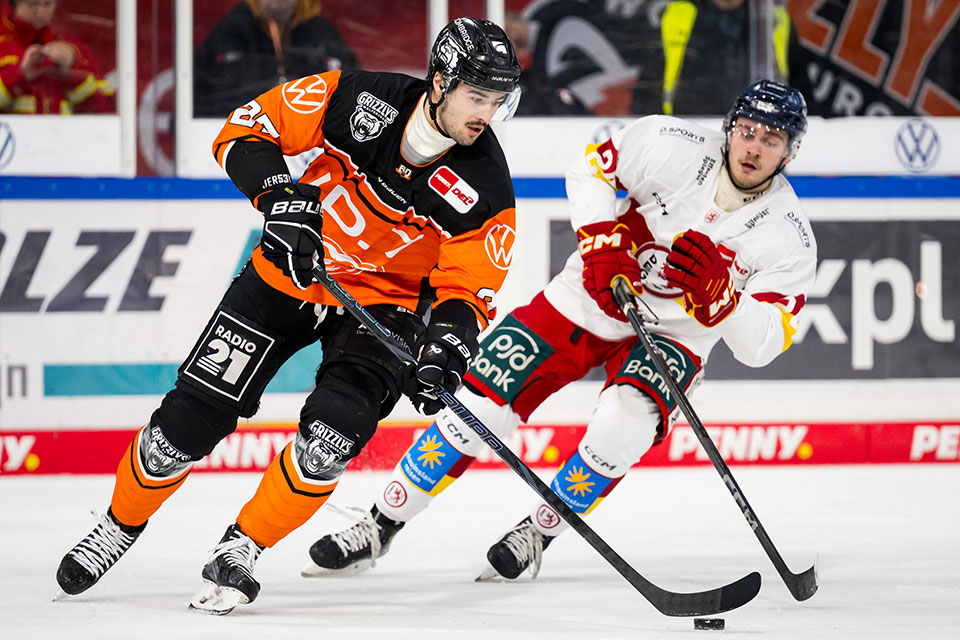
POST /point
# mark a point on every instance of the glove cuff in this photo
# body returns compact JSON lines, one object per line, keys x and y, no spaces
{"x":455,"y":312}
{"x":598,"y":237}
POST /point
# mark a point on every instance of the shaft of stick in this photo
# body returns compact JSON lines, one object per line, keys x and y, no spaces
{"x":669,"y":603}
{"x":803,"y":585}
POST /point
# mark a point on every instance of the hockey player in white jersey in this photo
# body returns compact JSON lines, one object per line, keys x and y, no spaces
{"x":713,"y":240}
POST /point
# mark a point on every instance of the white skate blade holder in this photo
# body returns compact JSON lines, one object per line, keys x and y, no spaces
{"x":489,"y":574}
{"x":215,"y":600}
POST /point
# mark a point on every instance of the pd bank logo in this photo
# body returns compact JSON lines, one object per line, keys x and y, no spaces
{"x":917,"y":145}
{"x":453,"y":189}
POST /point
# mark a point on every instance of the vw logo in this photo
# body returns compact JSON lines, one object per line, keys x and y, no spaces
{"x":8,"y":145}
{"x":917,"y":145}
{"x":605,"y":131}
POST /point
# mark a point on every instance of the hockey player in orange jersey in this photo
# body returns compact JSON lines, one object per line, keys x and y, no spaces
{"x":410,"y":207}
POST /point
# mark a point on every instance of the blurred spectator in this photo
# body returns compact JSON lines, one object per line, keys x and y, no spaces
{"x":45,"y":71}
{"x":704,"y":57}
{"x":584,"y":56}
{"x":260,"y":44}
{"x":540,"y":95}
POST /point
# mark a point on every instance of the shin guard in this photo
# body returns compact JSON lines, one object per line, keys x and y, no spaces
{"x":580,"y":486}
{"x":426,"y":469}
{"x":137,"y":494}
{"x":285,"y":499}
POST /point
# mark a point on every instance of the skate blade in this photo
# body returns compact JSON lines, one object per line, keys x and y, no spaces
{"x":313,"y":570}
{"x":60,"y":595}
{"x":215,"y":600}
{"x":489,"y":574}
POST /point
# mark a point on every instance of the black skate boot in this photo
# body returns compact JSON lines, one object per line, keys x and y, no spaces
{"x":519,"y":549}
{"x":352,"y":550}
{"x":86,"y":563}
{"x":228,"y":575}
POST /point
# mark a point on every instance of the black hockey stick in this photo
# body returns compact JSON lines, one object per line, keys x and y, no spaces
{"x":669,"y":603}
{"x":801,"y":585}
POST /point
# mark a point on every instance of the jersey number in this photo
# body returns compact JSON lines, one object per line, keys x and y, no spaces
{"x":246,"y":116}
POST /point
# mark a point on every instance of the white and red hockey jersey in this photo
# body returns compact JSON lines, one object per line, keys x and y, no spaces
{"x":670,"y":170}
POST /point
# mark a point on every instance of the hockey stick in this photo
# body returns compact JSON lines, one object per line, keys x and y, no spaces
{"x":669,"y":603}
{"x":801,"y":585}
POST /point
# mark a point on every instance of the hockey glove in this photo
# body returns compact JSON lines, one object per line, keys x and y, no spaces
{"x":695,"y":266}
{"x":291,"y":230}
{"x":609,"y":249}
{"x":443,"y":354}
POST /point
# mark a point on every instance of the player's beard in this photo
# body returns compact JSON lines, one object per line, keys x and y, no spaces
{"x":751,"y":183}
{"x":457,"y":132}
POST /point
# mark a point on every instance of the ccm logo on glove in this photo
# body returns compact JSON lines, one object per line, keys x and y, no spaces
{"x":609,"y":249}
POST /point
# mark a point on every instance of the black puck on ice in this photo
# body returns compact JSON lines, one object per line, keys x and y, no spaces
{"x":704,"y":624}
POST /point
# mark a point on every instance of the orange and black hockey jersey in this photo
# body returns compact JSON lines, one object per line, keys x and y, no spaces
{"x":394,"y":232}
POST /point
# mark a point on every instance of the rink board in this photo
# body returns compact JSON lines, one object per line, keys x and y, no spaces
{"x":540,"y":446}
{"x":106,"y":284}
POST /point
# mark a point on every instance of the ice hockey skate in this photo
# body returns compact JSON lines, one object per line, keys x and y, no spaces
{"x":86,"y":563}
{"x":228,"y":575}
{"x":354,"y":549}
{"x":520,"y":549}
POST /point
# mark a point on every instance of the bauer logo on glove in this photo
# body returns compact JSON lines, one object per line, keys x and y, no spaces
{"x":292,"y":220}
{"x":695,"y":266}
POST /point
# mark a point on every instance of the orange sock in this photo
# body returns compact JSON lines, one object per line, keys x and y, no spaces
{"x":283,"y":501}
{"x":136,"y":494}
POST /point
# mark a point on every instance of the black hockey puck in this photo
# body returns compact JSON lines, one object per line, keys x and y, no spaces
{"x":708,"y":624}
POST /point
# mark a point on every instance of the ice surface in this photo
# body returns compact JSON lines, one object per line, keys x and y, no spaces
{"x":888,"y":539}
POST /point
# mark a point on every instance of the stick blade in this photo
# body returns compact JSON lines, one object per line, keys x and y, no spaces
{"x":803,"y":585}
{"x":705,"y":603}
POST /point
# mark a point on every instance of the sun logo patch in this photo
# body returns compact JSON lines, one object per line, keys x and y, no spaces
{"x":431,"y":455}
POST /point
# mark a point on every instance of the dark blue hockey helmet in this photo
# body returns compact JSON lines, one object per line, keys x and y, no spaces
{"x":774,"y":104}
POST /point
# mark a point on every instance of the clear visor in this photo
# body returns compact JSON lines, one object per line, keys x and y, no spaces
{"x":763,"y":137}
{"x":506,"y":102}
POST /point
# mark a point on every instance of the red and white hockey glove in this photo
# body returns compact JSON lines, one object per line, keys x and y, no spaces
{"x":695,"y":265}
{"x":609,"y":249}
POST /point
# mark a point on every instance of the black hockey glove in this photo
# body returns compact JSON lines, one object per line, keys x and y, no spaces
{"x":291,"y":230}
{"x":442,"y":354}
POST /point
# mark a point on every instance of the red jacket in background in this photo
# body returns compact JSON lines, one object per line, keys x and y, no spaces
{"x":78,"y":90}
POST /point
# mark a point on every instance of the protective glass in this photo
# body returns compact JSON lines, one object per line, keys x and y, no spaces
{"x":770,"y":139}
{"x":506,"y":102}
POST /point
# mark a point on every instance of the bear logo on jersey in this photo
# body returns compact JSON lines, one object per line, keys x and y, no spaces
{"x":371,"y":117}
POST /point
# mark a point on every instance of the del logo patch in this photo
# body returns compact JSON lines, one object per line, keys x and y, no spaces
{"x":453,"y":189}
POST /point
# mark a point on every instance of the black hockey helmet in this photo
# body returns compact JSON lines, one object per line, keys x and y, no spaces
{"x":479,"y":53}
{"x":774,"y":104}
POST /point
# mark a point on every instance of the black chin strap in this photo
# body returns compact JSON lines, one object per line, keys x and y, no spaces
{"x":433,"y":111}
